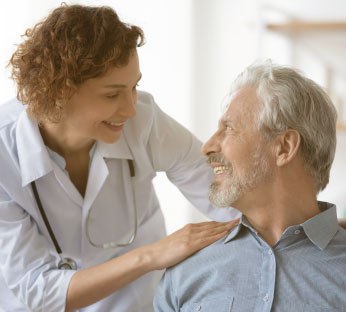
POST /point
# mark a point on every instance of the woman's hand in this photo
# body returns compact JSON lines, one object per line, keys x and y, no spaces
{"x":90,"y":285}
{"x":185,"y":242}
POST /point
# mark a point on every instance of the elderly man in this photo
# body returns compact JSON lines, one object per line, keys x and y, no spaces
{"x":271,"y":155}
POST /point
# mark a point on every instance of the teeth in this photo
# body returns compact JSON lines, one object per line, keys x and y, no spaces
{"x":114,"y":123}
{"x":220,"y":169}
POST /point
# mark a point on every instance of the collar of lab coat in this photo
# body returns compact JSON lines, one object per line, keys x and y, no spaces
{"x":33,"y":156}
{"x":34,"y":160}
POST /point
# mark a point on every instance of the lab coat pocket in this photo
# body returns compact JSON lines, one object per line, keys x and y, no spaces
{"x":213,"y":305}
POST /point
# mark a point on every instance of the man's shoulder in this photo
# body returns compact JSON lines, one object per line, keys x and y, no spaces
{"x":221,"y":253}
{"x":339,"y":240}
{"x":342,"y":231}
{"x":199,"y":263}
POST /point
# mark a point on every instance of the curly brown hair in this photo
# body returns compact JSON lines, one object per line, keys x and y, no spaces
{"x":73,"y":44}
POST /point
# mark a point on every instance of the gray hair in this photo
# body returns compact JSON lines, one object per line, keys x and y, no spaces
{"x":291,"y":101}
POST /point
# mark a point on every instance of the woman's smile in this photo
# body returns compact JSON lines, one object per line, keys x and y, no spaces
{"x":114,"y":126}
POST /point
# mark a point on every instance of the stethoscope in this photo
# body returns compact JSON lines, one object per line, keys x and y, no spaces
{"x":67,"y":263}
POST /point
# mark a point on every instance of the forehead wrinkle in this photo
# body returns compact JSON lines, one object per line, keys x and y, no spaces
{"x":247,"y":104}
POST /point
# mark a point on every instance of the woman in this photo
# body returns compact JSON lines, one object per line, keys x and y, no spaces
{"x":80,"y":224}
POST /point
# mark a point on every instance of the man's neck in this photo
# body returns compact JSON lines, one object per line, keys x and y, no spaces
{"x":271,"y":212}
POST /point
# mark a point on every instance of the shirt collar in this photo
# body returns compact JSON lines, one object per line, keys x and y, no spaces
{"x":320,"y":229}
{"x":235,"y":231}
{"x":33,"y":157}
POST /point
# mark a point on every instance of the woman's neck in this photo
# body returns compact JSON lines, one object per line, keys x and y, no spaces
{"x":64,"y":141}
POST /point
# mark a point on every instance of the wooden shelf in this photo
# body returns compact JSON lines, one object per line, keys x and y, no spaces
{"x":307,"y":26}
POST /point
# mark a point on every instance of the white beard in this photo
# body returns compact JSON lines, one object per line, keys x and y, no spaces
{"x":233,"y":187}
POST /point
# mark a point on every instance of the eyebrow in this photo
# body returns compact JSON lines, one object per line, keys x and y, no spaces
{"x":121,"y":85}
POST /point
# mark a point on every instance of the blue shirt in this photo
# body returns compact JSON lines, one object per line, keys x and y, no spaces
{"x":304,"y":271}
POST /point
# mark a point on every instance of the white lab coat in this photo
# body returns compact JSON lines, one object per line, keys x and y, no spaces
{"x":29,"y":279}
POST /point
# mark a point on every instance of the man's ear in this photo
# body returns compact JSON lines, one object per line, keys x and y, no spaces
{"x":286,"y":147}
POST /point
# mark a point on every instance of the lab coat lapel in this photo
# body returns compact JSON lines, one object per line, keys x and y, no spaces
{"x":99,"y":171}
{"x":67,"y":185}
{"x":98,"y":176}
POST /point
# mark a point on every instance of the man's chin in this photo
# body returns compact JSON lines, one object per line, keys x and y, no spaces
{"x":223,"y":200}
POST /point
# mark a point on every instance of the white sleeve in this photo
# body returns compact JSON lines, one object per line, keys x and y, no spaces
{"x":27,"y":263}
{"x":177,"y":152}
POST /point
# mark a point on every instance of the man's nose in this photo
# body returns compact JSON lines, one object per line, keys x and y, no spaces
{"x":211,"y":146}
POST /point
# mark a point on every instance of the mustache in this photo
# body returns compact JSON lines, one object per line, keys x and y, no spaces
{"x":219,"y":158}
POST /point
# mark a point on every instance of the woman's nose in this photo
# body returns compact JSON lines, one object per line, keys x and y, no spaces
{"x":129,"y":106}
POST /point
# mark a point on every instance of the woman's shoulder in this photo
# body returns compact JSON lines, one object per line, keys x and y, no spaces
{"x":145,"y":105}
{"x":9,"y":112}
{"x":145,"y":98}
{"x":9,"y":115}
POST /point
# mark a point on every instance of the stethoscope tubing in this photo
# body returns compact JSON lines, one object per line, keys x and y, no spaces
{"x":109,"y":245}
{"x":45,"y":219}
{"x":68,"y":263}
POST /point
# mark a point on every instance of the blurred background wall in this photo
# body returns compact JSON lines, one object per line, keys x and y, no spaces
{"x":195,"y":48}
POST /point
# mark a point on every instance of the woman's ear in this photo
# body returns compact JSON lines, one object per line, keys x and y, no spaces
{"x":287,"y":147}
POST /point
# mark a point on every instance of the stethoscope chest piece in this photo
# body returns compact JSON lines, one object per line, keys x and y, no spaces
{"x":67,"y":264}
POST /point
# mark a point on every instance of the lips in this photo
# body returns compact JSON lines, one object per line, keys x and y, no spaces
{"x":114,"y":124}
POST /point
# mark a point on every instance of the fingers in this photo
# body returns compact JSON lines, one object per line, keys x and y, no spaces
{"x":187,"y":241}
{"x":214,"y":231}
{"x":205,"y":241}
{"x":202,"y":235}
{"x":211,"y":226}
{"x":208,"y":240}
